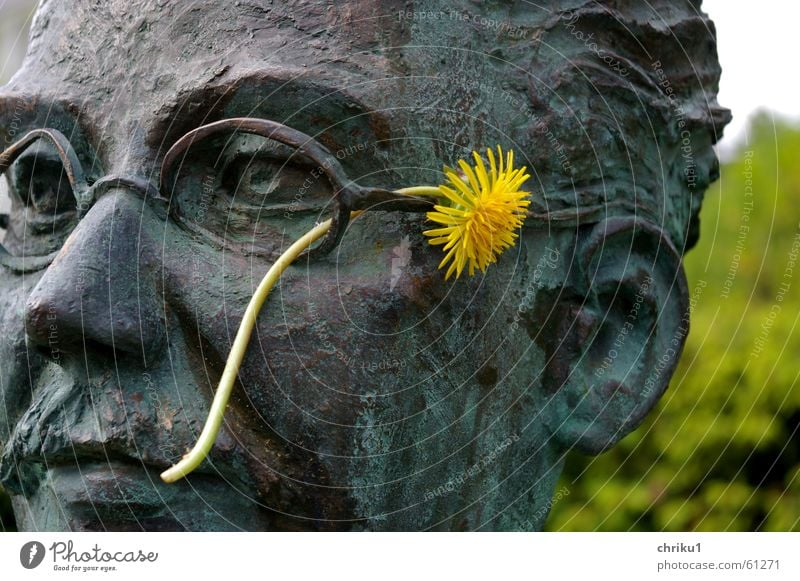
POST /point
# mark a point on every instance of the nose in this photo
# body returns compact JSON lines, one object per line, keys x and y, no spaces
{"x":102,"y":288}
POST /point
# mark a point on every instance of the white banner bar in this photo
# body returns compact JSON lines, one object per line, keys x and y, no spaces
{"x":398,"y":556}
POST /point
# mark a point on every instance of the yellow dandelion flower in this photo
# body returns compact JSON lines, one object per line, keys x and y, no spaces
{"x":485,"y":210}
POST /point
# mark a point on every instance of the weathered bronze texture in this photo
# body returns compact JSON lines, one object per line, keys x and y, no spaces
{"x":158,"y":179}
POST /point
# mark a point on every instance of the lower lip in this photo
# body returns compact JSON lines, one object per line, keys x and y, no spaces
{"x":121,"y":496}
{"x":115,"y":488}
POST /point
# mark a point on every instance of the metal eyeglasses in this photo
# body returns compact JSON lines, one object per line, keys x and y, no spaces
{"x":347,"y":195}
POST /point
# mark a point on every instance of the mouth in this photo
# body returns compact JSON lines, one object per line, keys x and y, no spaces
{"x":120,"y":496}
{"x":115,"y":420}
{"x":87,"y":454}
{"x":101,"y":496}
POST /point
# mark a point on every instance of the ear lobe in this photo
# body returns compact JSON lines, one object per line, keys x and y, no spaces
{"x":618,"y":347}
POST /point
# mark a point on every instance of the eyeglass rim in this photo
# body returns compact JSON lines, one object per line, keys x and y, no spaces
{"x":348,"y":196}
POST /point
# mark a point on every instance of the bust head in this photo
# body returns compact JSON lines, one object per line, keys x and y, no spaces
{"x":374,"y":394}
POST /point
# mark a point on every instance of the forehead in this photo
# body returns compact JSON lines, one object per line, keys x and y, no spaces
{"x":147,"y":68}
{"x":83,"y":45}
{"x":117,"y":41}
{"x":82,"y":49}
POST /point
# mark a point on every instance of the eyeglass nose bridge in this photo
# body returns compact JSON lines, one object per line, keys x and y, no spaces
{"x":144,"y":187}
{"x":348,"y":196}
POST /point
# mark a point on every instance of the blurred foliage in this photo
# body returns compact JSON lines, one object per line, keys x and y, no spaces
{"x":7,"y":523}
{"x":722,"y":449}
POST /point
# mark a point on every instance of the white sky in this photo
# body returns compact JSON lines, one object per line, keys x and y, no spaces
{"x":758,"y":44}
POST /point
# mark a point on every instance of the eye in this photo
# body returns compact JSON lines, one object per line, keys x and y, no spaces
{"x":251,"y":193}
{"x":43,"y":207}
{"x":39,"y":181}
{"x":5,"y":206}
{"x":274,"y":184}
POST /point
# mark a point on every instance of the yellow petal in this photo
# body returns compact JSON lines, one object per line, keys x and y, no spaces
{"x":480,"y":212}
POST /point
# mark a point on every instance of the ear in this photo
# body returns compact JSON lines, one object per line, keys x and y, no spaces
{"x":612,"y":343}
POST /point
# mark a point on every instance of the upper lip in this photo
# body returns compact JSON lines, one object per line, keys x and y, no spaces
{"x":22,"y":460}
{"x":68,"y":423}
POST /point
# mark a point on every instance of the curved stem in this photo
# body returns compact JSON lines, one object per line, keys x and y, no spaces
{"x":198,"y":453}
{"x":201,"y":449}
{"x":420,"y":191}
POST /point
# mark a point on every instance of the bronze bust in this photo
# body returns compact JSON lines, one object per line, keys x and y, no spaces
{"x":375,"y":395}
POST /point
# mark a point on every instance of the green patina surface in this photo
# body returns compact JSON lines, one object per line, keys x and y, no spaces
{"x":374,"y":395}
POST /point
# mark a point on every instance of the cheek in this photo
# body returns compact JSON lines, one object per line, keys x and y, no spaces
{"x":18,"y":361}
{"x":358,"y":356}
{"x":324,"y":332}
{"x":331,"y":334}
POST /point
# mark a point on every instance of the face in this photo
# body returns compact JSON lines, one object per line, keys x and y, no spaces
{"x":374,"y":395}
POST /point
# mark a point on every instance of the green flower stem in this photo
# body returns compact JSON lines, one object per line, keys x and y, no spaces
{"x":420,"y":191}
{"x":198,"y":453}
{"x":201,"y":449}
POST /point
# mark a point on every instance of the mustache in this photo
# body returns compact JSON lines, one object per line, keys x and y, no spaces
{"x":125,"y":416}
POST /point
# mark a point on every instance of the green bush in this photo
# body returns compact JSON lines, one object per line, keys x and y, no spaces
{"x":722,"y":449}
{"x":6,"y":514}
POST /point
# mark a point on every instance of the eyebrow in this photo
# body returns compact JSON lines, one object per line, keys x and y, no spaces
{"x":21,"y":113}
{"x":29,"y":103}
{"x":268,"y":94}
{"x":348,"y":118}
{"x":16,"y":110}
